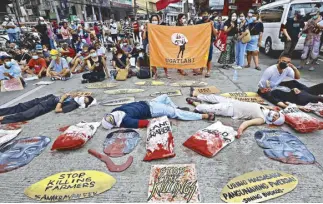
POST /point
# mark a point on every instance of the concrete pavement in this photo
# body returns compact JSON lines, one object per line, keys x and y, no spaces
{"x":239,"y":157}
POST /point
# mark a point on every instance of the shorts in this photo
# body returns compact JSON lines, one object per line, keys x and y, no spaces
{"x":210,"y":53}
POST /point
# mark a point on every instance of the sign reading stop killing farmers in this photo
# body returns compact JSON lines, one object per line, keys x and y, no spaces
{"x":258,"y":186}
{"x":179,"y":46}
{"x":70,"y":185}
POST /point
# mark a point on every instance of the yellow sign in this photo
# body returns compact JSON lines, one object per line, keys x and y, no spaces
{"x":70,"y":185}
{"x":183,"y":47}
{"x":258,"y":186}
{"x":240,"y":94}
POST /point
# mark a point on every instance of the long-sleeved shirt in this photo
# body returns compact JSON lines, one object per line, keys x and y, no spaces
{"x":136,"y":116}
{"x":272,"y":75}
{"x":14,"y":71}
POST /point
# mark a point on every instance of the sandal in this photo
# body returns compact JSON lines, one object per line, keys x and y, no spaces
{"x":211,"y":117}
{"x":207,"y":75}
{"x":181,"y":72}
{"x":168,"y":77}
{"x":247,"y":66}
{"x":258,"y":68}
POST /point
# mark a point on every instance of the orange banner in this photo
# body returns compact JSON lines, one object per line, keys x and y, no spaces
{"x":183,"y":47}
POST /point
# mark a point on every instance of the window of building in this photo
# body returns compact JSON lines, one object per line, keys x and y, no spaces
{"x":272,"y":15}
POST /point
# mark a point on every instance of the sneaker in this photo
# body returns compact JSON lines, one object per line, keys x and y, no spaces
{"x":53,"y":78}
{"x":308,"y":62}
{"x":238,"y":67}
{"x":316,"y":63}
{"x":191,"y":100}
{"x":311,"y":69}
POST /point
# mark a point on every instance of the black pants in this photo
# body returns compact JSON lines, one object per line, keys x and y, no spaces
{"x":136,"y":34}
{"x":313,"y":90}
{"x":29,"y":110}
{"x":302,"y":98}
{"x":289,"y":48}
{"x":94,"y":76}
{"x":114,"y":38}
{"x":270,"y":97}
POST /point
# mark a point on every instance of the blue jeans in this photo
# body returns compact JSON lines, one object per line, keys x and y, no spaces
{"x":240,"y":51}
{"x":12,"y":37}
{"x":51,"y":43}
{"x":164,"y":106}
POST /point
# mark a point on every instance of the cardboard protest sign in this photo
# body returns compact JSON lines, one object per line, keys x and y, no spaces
{"x":18,"y":153}
{"x":8,"y":135}
{"x":240,"y":94}
{"x":118,"y":101}
{"x":168,"y":93}
{"x":175,"y":183}
{"x":189,"y":83}
{"x":284,"y":147}
{"x":209,"y":141}
{"x":179,"y":47}
{"x":123,"y":91}
{"x":150,"y":83}
{"x":101,"y":85}
{"x":251,"y":99}
{"x":160,"y":140}
{"x":13,"y":84}
{"x":207,"y":90}
{"x":70,"y":185}
{"x":121,"y":142}
{"x":258,"y":186}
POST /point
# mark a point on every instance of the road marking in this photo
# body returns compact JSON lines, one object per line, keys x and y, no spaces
{"x":21,"y":97}
{"x":321,"y":60}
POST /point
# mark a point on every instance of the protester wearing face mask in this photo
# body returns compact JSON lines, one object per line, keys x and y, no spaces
{"x":36,"y":66}
{"x":181,"y":21}
{"x":114,"y":30}
{"x":154,"y":19}
{"x":250,"y":16}
{"x":42,"y":29}
{"x":243,"y":29}
{"x":78,"y":64}
{"x":227,"y":57}
{"x":205,"y":19}
{"x":143,"y":59}
{"x":100,"y":50}
{"x":292,"y":32}
{"x":253,"y":113}
{"x":126,"y":47}
{"x":10,"y":69}
{"x":274,"y":75}
{"x":313,"y":30}
{"x":256,"y":30}
{"x":97,"y":67}
{"x":11,"y":29}
{"x":40,"y":106}
{"x":58,"y":68}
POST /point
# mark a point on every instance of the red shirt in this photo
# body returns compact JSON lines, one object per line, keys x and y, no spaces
{"x":37,"y":64}
{"x":97,"y":30}
{"x":71,"y":53}
{"x":135,"y":27}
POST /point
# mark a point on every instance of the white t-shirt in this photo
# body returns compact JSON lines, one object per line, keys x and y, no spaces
{"x":101,"y":51}
{"x":272,"y":75}
{"x":246,"y":110}
{"x":114,"y":28}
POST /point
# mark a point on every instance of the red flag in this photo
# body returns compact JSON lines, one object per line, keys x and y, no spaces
{"x":161,"y":4}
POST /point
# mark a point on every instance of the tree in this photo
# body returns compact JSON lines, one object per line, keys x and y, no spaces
{"x":201,"y":4}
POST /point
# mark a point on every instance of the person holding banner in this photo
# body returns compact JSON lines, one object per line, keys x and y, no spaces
{"x":205,"y":19}
{"x":231,"y":29}
{"x":154,"y":19}
{"x":181,"y":21}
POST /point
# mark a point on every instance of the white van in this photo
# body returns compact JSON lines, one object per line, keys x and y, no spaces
{"x":275,"y":14}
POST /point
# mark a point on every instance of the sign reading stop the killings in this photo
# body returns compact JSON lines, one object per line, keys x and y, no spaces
{"x":258,"y":186}
{"x":70,"y":185}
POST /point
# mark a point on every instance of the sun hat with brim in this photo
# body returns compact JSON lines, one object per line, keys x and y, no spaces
{"x":314,"y":11}
{"x":54,"y":52}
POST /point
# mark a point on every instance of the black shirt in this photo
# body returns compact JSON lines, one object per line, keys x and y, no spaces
{"x":70,"y":106}
{"x":98,"y":64}
{"x":256,"y":28}
{"x":123,"y":59}
{"x":234,"y":30}
{"x":24,"y":56}
{"x":294,"y":28}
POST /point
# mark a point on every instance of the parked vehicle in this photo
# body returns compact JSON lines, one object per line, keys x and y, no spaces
{"x":275,"y":14}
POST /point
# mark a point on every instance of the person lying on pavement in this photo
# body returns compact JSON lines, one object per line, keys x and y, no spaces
{"x":40,"y":106}
{"x":135,"y":115}
{"x":254,"y":113}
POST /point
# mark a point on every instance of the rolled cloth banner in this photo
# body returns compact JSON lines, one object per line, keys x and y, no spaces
{"x":180,"y":47}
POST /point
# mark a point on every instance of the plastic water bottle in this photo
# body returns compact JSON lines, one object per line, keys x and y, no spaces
{"x":111,"y":77}
{"x":235,"y":75}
